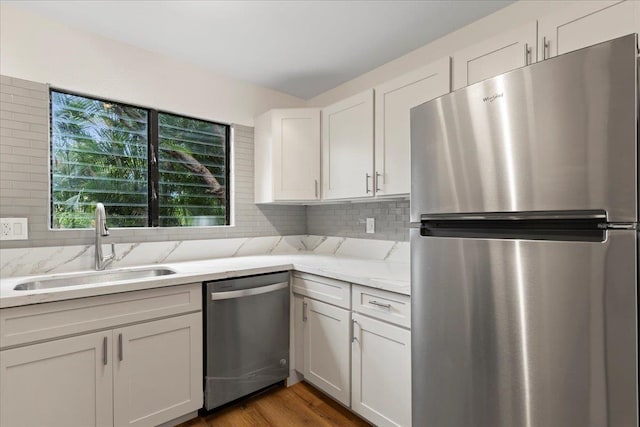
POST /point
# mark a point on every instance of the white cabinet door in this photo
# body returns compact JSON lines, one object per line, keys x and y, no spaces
{"x":585,"y":23}
{"x":347,"y":148}
{"x":296,"y":154}
{"x":299,"y":318}
{"x":157,"y":370}
{"x":287,"y":155}
{"x":393,"y":102}
{"x":504,"y":52}
{"x":381,"y":372}
{"x":327,"y":348}
{"x":64,"y":383}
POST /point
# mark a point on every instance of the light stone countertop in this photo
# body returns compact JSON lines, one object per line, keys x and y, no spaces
{"x":380,"y":274}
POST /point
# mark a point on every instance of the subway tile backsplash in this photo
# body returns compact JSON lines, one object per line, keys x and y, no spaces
{"x":348,"y":220}
{"x":24,"y":189}
{"x":24,"y":181}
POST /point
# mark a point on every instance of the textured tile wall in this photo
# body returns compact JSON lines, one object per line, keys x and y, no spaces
{"x":348,"y":220}
{"x":24,"y":181}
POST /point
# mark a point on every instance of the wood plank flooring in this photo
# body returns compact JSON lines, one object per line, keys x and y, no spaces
{"x":298,"y":405}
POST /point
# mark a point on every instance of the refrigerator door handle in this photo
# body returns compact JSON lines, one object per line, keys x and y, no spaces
{"x":621,"y":226}
{"x":509,"y":216}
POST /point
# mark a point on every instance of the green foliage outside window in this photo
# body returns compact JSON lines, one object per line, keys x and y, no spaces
{"x":104,"y":152}
{"x":192,"y":155}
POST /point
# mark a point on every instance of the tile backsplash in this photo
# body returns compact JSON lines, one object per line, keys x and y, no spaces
{"x":348,"y":220}
{"x":24,"y":189}
{"x":24,"y":181}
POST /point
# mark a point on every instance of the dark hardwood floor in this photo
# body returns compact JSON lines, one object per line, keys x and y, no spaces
{"x":299,"y":405}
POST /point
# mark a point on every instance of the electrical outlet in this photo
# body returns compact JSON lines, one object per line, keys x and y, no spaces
{"x":6,"y":229}
{"x":13,"y":229}
{"x":371,"y":225}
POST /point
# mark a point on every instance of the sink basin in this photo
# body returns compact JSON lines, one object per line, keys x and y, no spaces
{"x":92,"y":278}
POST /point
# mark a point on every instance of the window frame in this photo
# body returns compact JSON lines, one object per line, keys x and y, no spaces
{"x":153,"y":169}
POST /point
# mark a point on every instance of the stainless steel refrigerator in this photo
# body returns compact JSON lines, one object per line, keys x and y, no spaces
{"x":524,"y":246}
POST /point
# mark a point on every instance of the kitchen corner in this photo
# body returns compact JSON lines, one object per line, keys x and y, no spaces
{"x":378,"y":264}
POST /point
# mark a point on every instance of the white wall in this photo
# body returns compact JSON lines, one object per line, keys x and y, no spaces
{"x":36,"y":48}
{"x":511,"y":16}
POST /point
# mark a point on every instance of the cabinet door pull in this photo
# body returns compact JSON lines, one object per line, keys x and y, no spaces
{"x":120,"y":351}
{"x":104,"y":351}
{"x":545,"y":47}
{"x":378,"y":175}
{"x":316,"y":184}
{"x":354,"y":322}
{"x":304,"y":311}
{"x":366,"y":180}
{"x":527,"y":53}
{"x":379,"y":304}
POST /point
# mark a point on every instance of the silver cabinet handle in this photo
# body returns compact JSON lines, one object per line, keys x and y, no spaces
{"x":354,"y":322}
{"x":104,"y":351}
{"x":367,"y":176}
{"x":304,"y":311}
{"x":527,"y":53}
{"x":545,"y":47}
{"x":316,"y":184}
{"x":120,"y":350}
{"x":379,"y":304}
{"x":378,"y":175}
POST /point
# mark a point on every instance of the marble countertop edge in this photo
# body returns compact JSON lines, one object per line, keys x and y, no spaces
{"x":385,"y":275}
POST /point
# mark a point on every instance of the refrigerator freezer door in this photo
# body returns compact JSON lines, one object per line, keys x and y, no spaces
{"x":559,"y":135}
{"x":524,"y":333}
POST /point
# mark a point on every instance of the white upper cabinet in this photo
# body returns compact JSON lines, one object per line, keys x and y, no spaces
{"x":347,"y":148}
{"x":504,"y":52}
{"x":585,"y":23}
{"x":287,"y":155}
{"x":393,"y":102}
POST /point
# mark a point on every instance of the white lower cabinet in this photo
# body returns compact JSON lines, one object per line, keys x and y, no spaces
{"x":140,"y":375}
{"x":326,"y":349}
{"x":145,"y":374}
{"x":381,"y":372}
{"x":157,"y":370}
{"x":299,"y":318}
{"x":362,"y":361}
{"x":64,"y":383}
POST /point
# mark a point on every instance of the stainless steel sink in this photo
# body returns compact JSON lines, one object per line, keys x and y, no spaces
{"x":92,"y":278}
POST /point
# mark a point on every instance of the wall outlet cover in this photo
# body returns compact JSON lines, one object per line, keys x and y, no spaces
{"x":371,"y":225}
{"x":13,"y":229}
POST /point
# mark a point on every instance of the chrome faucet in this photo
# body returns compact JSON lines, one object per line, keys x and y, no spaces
{"x":102,"y":230}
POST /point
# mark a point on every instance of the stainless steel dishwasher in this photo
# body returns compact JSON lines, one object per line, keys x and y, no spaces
{"x":247,"y":336}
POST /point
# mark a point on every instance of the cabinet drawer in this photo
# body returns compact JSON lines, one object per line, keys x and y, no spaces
{"x":383,"y":305}
{"x":324,"y":289}
{"x":40,"y":322}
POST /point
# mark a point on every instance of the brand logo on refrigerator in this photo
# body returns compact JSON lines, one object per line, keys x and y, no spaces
{"x":492,"y":98}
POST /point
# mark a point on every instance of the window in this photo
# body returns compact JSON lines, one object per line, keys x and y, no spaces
{"x":148,"y":168}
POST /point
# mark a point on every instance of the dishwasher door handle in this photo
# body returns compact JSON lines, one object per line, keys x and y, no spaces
{"x":215,"y":296}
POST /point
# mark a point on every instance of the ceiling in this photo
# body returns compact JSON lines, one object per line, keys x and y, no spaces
{"x":302,"y":48}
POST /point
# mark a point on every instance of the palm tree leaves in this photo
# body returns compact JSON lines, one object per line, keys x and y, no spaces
{"x":192,"y":156}
{"x":99,"y":154}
